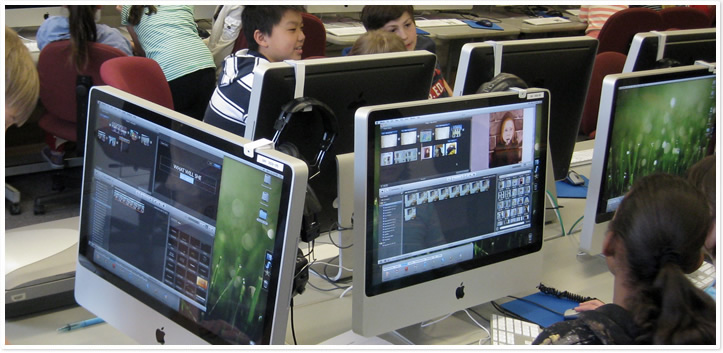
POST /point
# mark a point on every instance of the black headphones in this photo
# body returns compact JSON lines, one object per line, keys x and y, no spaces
{"x":502,"y":82}
{"x":312,"y":206}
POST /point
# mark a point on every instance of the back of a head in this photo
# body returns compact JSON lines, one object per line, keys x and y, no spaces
{"x":663,"y":225}
{"x":21,"y":80}
{"x":263,"y":18}
{"x":702,"y":175}
{"x":376,"y":16}
{"x":377,"y":41}
{"x":81,"y":23}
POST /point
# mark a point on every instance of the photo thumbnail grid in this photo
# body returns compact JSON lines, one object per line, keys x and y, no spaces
{"x":413,"y":199}
{"x":439,"y":142}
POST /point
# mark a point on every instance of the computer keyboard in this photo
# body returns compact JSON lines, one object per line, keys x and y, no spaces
{"x":581,"y":157}
{"x":439,"y":23}
{"x":506,"y":330}
{"x":703,"y":276}
{"x":346,"y":31}
{"x":545,"y":20}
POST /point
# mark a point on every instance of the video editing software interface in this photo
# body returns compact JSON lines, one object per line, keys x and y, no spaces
{"x":662,"y":126}
{"x":440,"y":201}
{"x":187,"y":224}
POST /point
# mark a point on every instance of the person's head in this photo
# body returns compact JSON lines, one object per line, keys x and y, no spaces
{"x":136,"y":12}
{"x":274,"y":31}
{"x":21,"y":81}
{"x":507,"y":135}
{"x":398,"y":19}
{"x":377,"y":41}
{"x":653,"y":240}
{"x":81,"y":23}
{"x":702,"y":175}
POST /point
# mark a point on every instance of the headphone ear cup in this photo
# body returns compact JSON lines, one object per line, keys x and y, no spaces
{"x":502,"y":82}
{"x":310,"y":220}
{"x":290,"y":149}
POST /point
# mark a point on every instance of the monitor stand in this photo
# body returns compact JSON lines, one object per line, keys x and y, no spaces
{"x":343,"y":238}
{"x":551,"y":190}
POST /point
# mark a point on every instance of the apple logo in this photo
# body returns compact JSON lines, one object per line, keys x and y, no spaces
{"x":459,"y":293}
{"x":160,"y":336}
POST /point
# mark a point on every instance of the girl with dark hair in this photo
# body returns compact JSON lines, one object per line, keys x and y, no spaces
{"x":168,"y":35}
{"x":81,"y":28}
{"x":702,"y":175}
{"x":654,"y":239}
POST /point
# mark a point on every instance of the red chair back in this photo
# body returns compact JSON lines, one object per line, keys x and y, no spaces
{"x":681,"y":17}
{"x":618,"y":31}
{"x":607,"y":63}
{"x":139,"y":76}
{"x":240,"y":42}
{"x":315,"y":33}
{"x":58,"y":78}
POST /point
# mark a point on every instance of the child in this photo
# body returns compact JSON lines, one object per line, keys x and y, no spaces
{"x":273,"y":33}
{"x":654,"y":239}
{"x":702,"y":175}
{"x":399,"y":19}
{"x":21,"y":81}
{"x":168,"y":35}
{"x":377,"y":41}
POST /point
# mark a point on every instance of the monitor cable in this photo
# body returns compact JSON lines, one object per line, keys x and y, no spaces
{"x":553,"y":201}
{"x":293,"y":331}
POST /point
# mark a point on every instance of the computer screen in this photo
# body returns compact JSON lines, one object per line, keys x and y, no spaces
{"x":561,"y":65}
{"x":437,"y":226}
{"x":683,"y":46}
{"x":344,"y":84}
{"x":184,"y":238}
{"x":649,"y":121}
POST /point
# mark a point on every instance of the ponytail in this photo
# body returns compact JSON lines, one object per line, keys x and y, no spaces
{"x":81,"y":22}
{"x":136,"y":12}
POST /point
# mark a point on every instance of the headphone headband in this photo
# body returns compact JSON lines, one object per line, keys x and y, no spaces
{"x":328,"y":119}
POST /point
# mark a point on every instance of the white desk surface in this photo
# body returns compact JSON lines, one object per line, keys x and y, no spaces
{"x":320,"y":316}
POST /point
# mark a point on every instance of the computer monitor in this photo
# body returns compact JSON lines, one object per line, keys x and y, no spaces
{"x":437,"y":228}
{"x":29,"y":15}
{"x":684,"y":46}
{"x":324,"y":9}
{"x":649,"y":121}
{"x":184,"y":237}
{"x":561,"y":65}
{"x":344,"y":84}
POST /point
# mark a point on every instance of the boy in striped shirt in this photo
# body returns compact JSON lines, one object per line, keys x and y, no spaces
{"x":596,"y":15}
{"x":273,"y":33}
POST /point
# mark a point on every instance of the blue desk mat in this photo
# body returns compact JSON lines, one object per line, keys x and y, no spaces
{"x":422,"y":32}
{"x":569,"y":191}
{"x":473,"y":24}
{"x":538,"y":315}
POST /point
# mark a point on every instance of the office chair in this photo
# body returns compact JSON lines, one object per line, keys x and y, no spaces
{"x":240,"y":42}
{"x":64,"y":94}
{"x":607,"y":63}
{"x":618,"y":31}
{"x":140,"y":76}
{"x":681,"y":17}
{"x":315,"y":33}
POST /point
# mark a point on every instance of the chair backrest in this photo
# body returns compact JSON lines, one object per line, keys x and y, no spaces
{"x":618,"y":31}
{"x":240,"y":42}
{"x":681,"y":17}
{"x":607,"y":63}
{"x":140,"y":76}
{"x":58,"y":79}
{"x":315,"y":33}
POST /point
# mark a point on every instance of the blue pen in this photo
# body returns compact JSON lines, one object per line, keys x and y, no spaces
{"x":79,"y":324}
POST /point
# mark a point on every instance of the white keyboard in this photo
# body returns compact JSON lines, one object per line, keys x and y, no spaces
{"x":439,"y":23}
{"x":545,"y":20}
{"x":703,"y":276}
{"x":506,"y":330}
{"x":346,"y":31}
{"x":581,"y":157}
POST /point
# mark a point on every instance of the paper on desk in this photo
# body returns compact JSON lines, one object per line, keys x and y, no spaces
{"x":351,"y":338}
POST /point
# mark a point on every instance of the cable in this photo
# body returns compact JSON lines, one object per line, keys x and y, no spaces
{"x":426,"y":324}
{"x":489,"y":335}
{"x":506,"y":312}
{"x":556,"y":208}
{"x":574,"y":224}
{"x":345,"y":291}
{"x":564,"y":294}
{"x":338,"y":228}
{"x":293,"y":331}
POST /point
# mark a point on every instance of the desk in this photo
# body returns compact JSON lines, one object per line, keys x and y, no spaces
{"x":319,"y":316}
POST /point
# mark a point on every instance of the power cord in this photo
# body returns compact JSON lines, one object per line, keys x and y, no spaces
{"x":553,"y":201}
{"x":293,"y":331}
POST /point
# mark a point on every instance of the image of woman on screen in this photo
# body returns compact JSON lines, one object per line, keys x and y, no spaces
{"x":507,"y":148}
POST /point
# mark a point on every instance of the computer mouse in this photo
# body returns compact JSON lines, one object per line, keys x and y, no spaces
{"x":571,"y":314}
{"x":574,"y":179}
{"x":484,"y":23}
{"x":554,"y":13}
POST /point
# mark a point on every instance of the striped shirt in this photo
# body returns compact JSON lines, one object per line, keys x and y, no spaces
{"x":229,"y":105}
{"x":170,"y":38}
{"x":596,"y":15}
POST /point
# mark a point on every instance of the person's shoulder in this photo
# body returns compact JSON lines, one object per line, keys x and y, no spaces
{"x":54,"y":22}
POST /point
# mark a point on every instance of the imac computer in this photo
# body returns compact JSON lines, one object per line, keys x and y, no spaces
{"x":188,"y":234}
{"x":683,"y":46}
{"x":649,"y":121}
{"x":29,"y":15}
{"x":448,"y":205}
{"x":561,"y":65}
{"x":344,"y":84}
